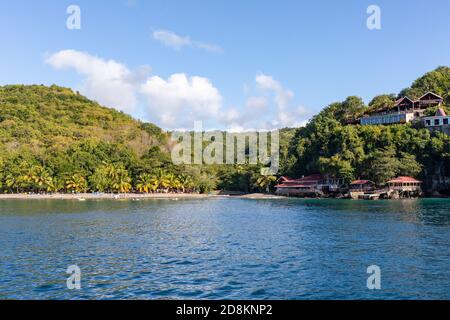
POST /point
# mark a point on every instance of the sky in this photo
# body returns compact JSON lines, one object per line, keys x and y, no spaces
{"x":236,"y":65}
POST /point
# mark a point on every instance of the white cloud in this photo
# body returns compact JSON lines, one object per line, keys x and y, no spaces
{"x":180,"y":100}
{"x":175,"y":41}
{"x":107,"y":81}
{"x":282,"y":96}
{"x":287,"y":116}
{"x":258,"y":103}
{"x":209,"y":47}
{"x":171,"y":39}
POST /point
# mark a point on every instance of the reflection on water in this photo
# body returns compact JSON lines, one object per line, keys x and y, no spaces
{"x":225,"y":249}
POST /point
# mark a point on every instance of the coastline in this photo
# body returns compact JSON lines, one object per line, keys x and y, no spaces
{"x":158,"y":196}
{"x":132,"y":196}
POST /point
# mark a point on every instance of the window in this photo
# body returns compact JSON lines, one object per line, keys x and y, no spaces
{"x":446,"y":121}
{"x":436,"y":122}
{"x":428,"y":122}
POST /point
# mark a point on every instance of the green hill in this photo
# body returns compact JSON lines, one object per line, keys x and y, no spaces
{"x":66,"y":134}
{"x":54,"y":139}
{"x":330,"y":146}
{"x":52,"y":119}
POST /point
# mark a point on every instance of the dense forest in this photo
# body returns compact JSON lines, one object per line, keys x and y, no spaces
{"x":329,"y":146}
{"x":52,"y":139}
{"x":55,"y":140}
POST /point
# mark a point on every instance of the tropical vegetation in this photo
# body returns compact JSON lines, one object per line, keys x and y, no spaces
{"x":55,"y":140}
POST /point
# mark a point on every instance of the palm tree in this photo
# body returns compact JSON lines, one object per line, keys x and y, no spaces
{"x":172,"y":182}
{"x":186,"y":182}
{"x":121,"y":180}
{"x":264,"y":182}
{"x":40,"y":177}
{"x":54,"y":185}
{"x":99,"y":180}
{"x":24,"y":181}
{"x":76,"y":183}
{"x":11,"y":182}
{"x":162,"y":180}
{"x":145,"y":183}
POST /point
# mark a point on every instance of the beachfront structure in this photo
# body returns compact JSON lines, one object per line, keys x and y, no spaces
{"x":404,"y":110}
{"x":438,"y":122}
{"x":309,"y":186}
{"x":362,"y":186}
{"x":404,"y":184}
{"x":359,"y":187}
{"x":400,"y":187}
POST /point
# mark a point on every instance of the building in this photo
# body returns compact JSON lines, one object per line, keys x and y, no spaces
{"x":309,"y":186}
{"x":405,"y":184}
{"x":404,"y":110}
{"x":388,"y":118}
{"x":439,"y":122}
{"x":362,"y":186}
{"x":359,"y":187}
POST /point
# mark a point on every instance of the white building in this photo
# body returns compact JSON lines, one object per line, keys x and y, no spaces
{"x":403,"y":111}
{"x":389,"y":118}
{"x":440,"y":121}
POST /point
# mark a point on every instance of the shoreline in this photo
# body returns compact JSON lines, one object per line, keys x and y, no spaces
{"x":132,"y":196}
{"x":161,"y":196}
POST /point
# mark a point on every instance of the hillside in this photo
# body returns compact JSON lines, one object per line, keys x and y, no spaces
{"x":64,"y":133}
{"x":52,"y":119}
{"x":53,"y":139}
{"x":330,"y":146}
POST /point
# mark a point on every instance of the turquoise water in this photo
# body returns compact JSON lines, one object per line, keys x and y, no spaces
{"x":225,"y":249}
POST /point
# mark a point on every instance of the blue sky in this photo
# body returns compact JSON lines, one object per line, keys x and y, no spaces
{"x":232,"y":64}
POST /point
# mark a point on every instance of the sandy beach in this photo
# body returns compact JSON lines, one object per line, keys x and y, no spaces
{"x":131,"y":196}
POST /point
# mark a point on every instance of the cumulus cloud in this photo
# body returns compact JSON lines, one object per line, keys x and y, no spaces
{"x":175,"y":41}
{"x":287,"y":115}
{"x":180,"y":100}
{"x":107,"y":81}
{"x":282,"y":96}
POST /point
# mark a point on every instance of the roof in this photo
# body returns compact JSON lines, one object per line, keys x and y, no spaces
{"x":432,"y":93}
{"x":313,"y":177}
{"x":356,"y":182}
{"x":397,"y":102}
{"x":440,"y":113}
{"x":310,"y":178}
{"x":285,"y":182}
{"x":291,"y":186}
{"x":404,"y":180}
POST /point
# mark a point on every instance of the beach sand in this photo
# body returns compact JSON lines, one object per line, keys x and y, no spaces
{"x":99,"y":196}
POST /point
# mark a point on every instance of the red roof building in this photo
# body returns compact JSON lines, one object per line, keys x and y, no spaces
{"x":404,"y":184}
{"x":310,"y":185}
{"x":362,"y":185}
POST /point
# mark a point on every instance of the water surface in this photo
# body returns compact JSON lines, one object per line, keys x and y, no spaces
{"x":225,"y":249}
